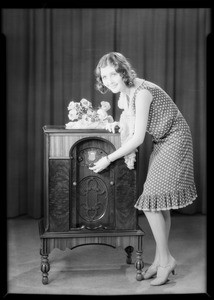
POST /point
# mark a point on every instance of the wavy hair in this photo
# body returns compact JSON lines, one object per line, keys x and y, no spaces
{"x":121,"y":65}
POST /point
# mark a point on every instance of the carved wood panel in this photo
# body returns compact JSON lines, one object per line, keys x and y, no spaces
{"x":59,"y":195}
{"x":92,"y":195}
{"x":93,"y":198}
{"x":125,"y":196}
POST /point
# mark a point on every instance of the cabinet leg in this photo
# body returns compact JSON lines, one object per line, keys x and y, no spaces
{"x":45,"y":268}
{"x":139,"y":265}
{"x":129,"y":251}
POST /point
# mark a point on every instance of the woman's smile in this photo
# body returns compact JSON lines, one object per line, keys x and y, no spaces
{"x":113,"y":86}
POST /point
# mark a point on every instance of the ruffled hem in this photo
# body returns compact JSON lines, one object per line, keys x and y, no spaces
{"x":172,"y":200}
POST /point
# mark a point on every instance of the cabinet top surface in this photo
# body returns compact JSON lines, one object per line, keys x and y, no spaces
{"x":62,"y":129}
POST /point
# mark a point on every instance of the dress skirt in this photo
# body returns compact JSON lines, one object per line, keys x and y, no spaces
{"x":170,"y":179}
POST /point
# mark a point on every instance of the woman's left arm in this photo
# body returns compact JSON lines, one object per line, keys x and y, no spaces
{"x":142,"y":105}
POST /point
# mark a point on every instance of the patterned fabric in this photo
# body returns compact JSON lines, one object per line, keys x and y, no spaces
{"x":170,"y":179}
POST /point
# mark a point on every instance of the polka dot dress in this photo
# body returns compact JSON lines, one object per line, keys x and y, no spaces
{"x":170,"y":178}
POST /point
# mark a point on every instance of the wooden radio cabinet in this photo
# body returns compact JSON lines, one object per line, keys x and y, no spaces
{"x":82,"y":207}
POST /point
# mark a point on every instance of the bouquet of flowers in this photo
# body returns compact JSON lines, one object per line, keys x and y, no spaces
{"x":83,"y":116}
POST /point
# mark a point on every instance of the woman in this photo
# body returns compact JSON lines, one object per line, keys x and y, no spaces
{"x":170,"y":179}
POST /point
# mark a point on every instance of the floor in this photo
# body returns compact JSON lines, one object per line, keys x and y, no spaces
{"x":102,"y":270}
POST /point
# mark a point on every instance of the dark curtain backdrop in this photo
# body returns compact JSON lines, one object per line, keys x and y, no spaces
{"x":51,"y":55}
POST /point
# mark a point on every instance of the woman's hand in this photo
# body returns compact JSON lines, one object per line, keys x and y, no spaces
{"x":111,"y":126}
{"x":100,"y":165}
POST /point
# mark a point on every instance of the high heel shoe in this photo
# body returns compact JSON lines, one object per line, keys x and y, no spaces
{"x":151,"y":271}
{"x":163,"y":273}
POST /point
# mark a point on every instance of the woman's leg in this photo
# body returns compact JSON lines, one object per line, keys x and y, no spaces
{"x":167,"y":218}
{"x":160,"y":223}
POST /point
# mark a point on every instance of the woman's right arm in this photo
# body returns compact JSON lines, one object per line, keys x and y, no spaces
{"x":142,"y":104}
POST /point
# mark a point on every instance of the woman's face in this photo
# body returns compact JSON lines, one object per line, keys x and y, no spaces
{"x":112,"y":80}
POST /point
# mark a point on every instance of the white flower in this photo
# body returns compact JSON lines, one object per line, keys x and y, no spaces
{"x":73,"y":115}
{"x":71,"y":105}
{"x":102,"y":114}
{"x":85,"y":103}
{"x":110,"y":119}
{"x":105,"y":105}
